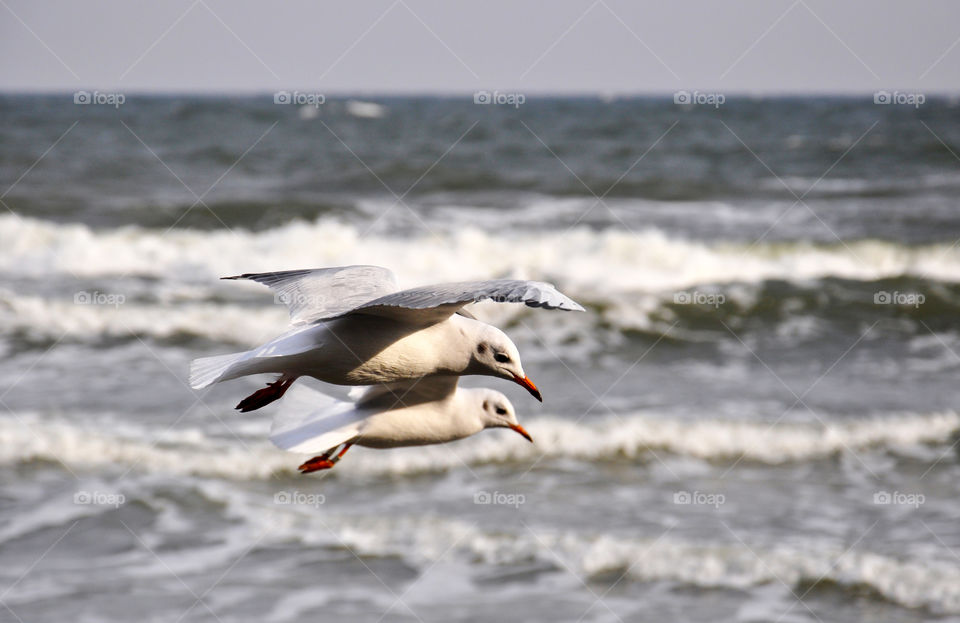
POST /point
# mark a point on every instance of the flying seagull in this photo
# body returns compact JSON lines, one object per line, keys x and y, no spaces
{"x":416,"y":412}
{"x":352,"y":325}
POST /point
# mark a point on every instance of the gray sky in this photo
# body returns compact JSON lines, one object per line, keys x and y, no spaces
{"x":412,"y":46}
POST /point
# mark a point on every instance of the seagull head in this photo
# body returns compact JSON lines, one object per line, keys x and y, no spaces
{"x":499,"y":413}
{"x":495,"y":354}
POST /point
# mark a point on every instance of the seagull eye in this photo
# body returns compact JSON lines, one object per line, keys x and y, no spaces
{"x":501,"y":411}
{"x":502,"y":358}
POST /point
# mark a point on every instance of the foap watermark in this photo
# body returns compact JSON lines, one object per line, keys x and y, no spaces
{"x":699,"y":98}
{"x":498,"y":98}
{"x":99,"y":498}
{"x":899,"y":498}
{"x":298,"y":498}
{"x":899,"y":98}
{"x":85,"y":98}
{"x":883,"y":297}
{"x":299,"y":98}
{"x":299,"y":299}
{"x":694,"y":297}
{"x":499,"y":498}
{"x":699,"y":498}
{"x":85,"y":297}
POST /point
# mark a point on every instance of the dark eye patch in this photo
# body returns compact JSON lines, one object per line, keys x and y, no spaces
{"x":481,"y":348}
{"x":501,"y":358}
{"x":501,"y":411}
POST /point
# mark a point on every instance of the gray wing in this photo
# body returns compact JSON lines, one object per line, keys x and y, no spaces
{"x":429,"y":304}
{"x":405,"y":393}
{"x":321,"y":293}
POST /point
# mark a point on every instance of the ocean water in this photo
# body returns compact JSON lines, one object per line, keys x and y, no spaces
{"x":755,"y":420}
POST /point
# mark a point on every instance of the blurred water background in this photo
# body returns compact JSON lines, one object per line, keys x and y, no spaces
{"x":754,"y":420}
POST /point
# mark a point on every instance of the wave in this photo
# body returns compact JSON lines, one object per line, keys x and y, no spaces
{"x":170,"y":312}
{"x":424,"y":539}
{"x":580,"y":259}
{"x":909,"y":583}
{"x":864,"y":186}
{"x":633,"y":282}
{"x":40,"y":318}
{"x":29,"y":437}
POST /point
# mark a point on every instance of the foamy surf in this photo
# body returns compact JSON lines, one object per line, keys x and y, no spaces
{"x":591,"y":263}
{"x":635,"y":437}
{"x":737,"y":564}
{"x":910,"y":583}
{"x":45,"y":318}
{"x":629,"y":281}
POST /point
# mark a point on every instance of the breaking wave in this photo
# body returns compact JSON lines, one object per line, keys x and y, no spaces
{"x":589,"y":261}
{"x":630,"y":282}
{"x":909,"y":583}
{"x":29,"y":437}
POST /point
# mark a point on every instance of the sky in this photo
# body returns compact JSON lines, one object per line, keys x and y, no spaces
{"x":412,"y":46}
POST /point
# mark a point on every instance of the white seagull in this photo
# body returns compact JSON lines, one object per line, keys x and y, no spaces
{"x":353,"y":326}
{"x":416,"y":412}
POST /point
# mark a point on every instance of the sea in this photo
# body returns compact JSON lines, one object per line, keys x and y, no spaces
{"x":755,"y":419}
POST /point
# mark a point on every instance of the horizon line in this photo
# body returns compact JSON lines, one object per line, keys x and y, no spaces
{"x":456,"y":93}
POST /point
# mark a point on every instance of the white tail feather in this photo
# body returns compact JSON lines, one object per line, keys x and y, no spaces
{"x":208,"y":370}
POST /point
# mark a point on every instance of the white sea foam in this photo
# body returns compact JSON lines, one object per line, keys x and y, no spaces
{"x":585,"y":262}
{"x":628,"y":278}
{"x":735,"y":565}
{"x":48,"y":318}
{"x":908,"y":583}
{"x":738,"y":563}
{"x":28,"y":437}
{"x":365,"y":110}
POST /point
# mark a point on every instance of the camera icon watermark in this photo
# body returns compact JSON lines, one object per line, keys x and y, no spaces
{"x":694,"y":297}
{"x":298,"y":498}
{"x":85,"y":98}
{"x":914,"y":299}
{"x":497,"y":98}
{"x":99,"y":498}
{"x":298,"y":98}
{"x":498,"y":498}
{"x":699,"y":498}
{"x":899,"y":498}
{"x":899,"y":98}
{"x":699,"y":98}
{"x":85,"y":297}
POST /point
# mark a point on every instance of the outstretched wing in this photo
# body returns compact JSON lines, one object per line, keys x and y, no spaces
{"x":314,"y":422}
{"x":322,"y":293}
{"x":430,"y":304}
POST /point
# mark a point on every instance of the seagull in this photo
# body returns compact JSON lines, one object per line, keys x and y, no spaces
{"x":352,"y":325}
{"x":415,"y":412}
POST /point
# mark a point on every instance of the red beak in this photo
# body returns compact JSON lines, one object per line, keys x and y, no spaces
{"x":523,"y":432}
{"x":527,"y":384}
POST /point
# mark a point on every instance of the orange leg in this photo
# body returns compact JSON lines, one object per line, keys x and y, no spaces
{"x":262,"y":397}
{"x":323,"y":461}
{"x":316,"y":464}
